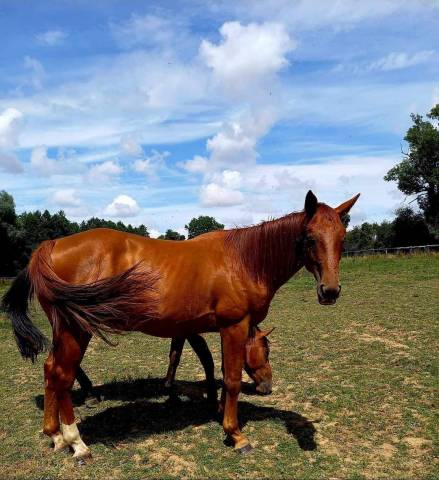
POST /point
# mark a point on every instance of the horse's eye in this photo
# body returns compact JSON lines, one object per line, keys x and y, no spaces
{"x":310,"y":241}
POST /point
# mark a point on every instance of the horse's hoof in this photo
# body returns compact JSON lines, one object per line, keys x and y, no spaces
{"x":92,"y":402}
{"x":83,"y":459}
{"x":60,"y":448}
{"x":168,"y":384}
{"x":245,"y":450}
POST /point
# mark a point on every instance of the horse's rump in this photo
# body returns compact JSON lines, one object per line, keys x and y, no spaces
{"x":111,"y":305}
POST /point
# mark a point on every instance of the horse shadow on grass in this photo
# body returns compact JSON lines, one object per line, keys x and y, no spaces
{"x":146,"y":413}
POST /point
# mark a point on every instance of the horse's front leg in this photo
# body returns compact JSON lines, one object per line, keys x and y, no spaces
{"x":233,"y":340}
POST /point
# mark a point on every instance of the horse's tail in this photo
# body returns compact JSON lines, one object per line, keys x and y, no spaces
{"x":30,"y":340}
{"x":110,"y":305}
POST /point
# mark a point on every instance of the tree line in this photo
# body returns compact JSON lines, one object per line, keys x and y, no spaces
{"x":417,"y":174}
{"x":20,"y":234}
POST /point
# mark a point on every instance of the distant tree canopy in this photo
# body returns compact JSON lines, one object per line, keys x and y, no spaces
{"x":418,"y":173}
{"x":202,"y":224}
{"x":172,"y":235}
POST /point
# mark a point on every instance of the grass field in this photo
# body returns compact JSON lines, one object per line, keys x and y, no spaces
{"x":355,"y":392}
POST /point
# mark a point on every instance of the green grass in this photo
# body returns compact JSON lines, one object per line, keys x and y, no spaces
{"x":355,"y":392}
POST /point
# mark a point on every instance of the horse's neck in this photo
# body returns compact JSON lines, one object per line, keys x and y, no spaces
{"x":271,"y":252}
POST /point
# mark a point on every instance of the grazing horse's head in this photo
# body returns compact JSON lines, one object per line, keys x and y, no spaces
{"x":324,"y":244}
{"x":257,"y":364}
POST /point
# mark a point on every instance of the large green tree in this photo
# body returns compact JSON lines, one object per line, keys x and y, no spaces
{"x":202,"y":224}
{"x":171,"y":235}
{"x":418,"y":172}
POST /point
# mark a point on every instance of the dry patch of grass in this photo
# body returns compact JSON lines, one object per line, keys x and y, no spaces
{"x":355,"y":392}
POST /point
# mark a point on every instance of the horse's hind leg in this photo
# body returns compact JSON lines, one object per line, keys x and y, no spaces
{"x":60,"y":374}
{"x":177,"y":344}
{"x":199,"y":344}
{"x":51,"y":426}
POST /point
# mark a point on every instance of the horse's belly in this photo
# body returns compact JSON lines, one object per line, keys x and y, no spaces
{"x":179,"y":327}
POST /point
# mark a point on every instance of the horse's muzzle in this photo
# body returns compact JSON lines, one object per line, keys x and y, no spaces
{"x":328,"y":295}
{"x":264,"y":388}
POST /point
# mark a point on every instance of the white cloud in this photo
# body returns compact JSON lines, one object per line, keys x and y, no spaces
{"x":10,"y":123}
{"x":42,"y":164}
{"x":231,"y":178}
{"x":153,"y":233}
{"x":66,"y":198}
{"x":213,"y":194}
{"x":197,"y":164}
{"x":51,"y":38}
{"x":122,"y":206}
{"x":399,"y":60}
{"x":65,"y":162}
{"x":102,"y":172}
{"x":130,"y":146}
{"x":10,"y":163}
{"x":247,"y":53}
{"x":236,"y":143}
{"x":150,"y":164}
{"x":36,"y":75}
{"x":286,"y":180}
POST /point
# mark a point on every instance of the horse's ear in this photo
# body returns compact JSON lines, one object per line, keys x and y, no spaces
{"x":344,"y":208}
{"x":265,"y":333}
{"x":310,"y":204}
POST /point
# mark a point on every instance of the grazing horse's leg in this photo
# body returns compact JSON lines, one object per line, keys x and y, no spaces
{"x":90,"y":395}
{"x":199,"y":344}
{"x":84,"y":382}
{"x":233,"y":340}
{"x":60,"y":373}
{"x":177,"y":344}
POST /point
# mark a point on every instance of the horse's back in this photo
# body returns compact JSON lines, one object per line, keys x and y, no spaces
{"x":95,"y":254}
{"x":103,"y":252}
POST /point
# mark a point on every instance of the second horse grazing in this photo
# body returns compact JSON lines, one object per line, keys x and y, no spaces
{"x":256,"y":364}
{"x":102,"y":281}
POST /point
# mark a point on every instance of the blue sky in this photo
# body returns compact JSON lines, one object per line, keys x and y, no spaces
{"x":155,"y":112}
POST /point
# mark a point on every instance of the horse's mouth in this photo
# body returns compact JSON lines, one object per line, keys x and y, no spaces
{"x":263,"y":388}
{"x":326,"y":300}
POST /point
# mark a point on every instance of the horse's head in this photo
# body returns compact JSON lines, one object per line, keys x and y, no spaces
{"x":324,"y":244}
{"x":257,"y":364}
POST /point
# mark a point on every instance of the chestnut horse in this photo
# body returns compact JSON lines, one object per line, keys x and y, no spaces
{"x":256,"y":364}
{"x":103,"y":281}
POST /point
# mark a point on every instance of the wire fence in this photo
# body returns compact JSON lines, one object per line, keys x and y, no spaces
{"x":393,"y":250}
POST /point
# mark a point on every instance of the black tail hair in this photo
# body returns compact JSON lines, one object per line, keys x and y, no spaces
{"x":30,"y":340}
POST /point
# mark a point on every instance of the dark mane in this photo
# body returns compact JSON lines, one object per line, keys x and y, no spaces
{"x":270,"y":251}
